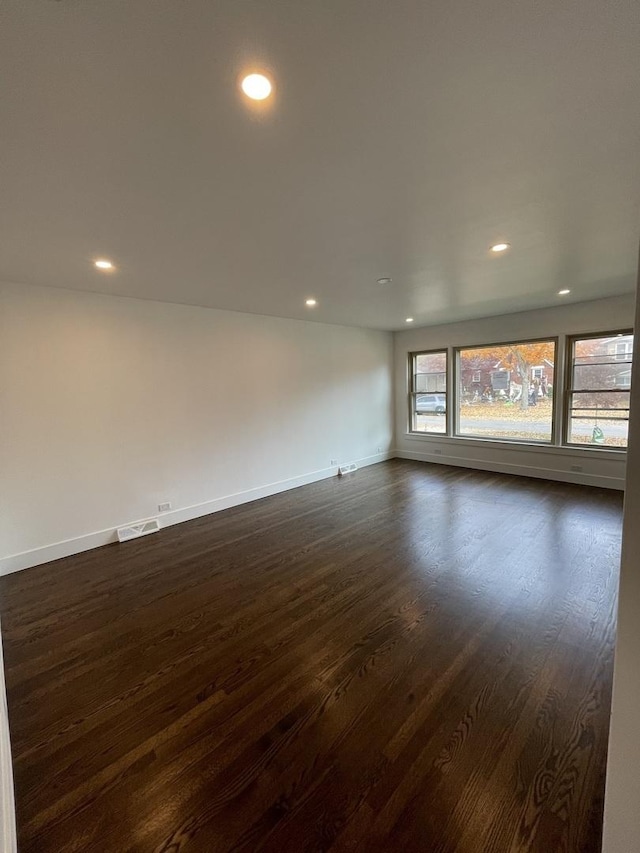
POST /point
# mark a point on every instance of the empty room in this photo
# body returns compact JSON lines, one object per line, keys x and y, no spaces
{"x":319,"y":426}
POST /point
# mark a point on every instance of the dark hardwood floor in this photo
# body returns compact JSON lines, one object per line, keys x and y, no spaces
{"x":412,"y":658}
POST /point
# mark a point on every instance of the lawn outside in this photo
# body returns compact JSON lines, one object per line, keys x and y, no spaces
{"x":507,"y":411}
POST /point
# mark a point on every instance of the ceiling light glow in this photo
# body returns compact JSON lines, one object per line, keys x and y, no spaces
{"x":564,"y":292}
{"x":409,"y":320}
{"x":311,"y":302}
{"x":103,"y":264}
{"x":500,"y":247}
{"x":256,"y":86}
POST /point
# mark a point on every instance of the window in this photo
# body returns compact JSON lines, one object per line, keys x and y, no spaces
{"x":428,"y":392}
{"x":513,"y":402}
{"x":509,"y":392}
{"x":598,"y":390}
{"x":623,"y":350}
{"x":623,"y":380}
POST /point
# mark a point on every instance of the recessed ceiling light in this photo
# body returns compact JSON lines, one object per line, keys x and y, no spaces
{"x":103,"y":264}
{"x":311,"y":302}
{"x":256,"y":86}
{"x":564,"y":292}
{"x":385,"y":280}
{"x":500,"y":247}
{"x":409,"y":320}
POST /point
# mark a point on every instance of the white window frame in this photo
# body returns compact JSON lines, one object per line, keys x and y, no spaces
{"x":624,"y":353}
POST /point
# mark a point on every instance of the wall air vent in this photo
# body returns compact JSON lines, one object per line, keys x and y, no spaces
{"x":138,"y":528}
{"x":347,"y":469}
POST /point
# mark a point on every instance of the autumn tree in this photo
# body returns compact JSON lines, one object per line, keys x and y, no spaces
{"x":483,"y":358}
{"x":518,"y":358}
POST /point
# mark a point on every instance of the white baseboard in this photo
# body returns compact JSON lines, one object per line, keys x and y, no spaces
{"x":8,"y":842}
{"x":580,"y":479}
{"x":37,"y":556}
{"x":56,"y":550}
{"x":187,"y":513}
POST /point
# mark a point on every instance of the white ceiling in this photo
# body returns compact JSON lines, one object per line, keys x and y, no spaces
{"x":405,"y":137}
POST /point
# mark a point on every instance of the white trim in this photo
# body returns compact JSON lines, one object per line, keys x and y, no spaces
{"x":56,"y":550}
{"x":585,"y":452}
{"x":578,"y":478}
{"x":7,"y":803}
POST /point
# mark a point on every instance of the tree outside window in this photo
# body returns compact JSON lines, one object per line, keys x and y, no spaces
{"x":505,"y":391}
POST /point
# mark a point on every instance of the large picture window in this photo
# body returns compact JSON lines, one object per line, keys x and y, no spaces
{"x":506,"y":391}
{"x":428,"y":392}
{"x":599,"y":389}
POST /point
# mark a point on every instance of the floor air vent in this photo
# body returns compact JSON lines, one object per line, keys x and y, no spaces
{"x":347,"y":469}
{"x":139,"y":528}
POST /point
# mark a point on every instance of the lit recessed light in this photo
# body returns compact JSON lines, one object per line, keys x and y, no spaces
{"x":103,"y":264}
{"x":311,"y":303}
{"x":564,"y":292}
{"x":385,"y":280}
{"x":256,"y":86}
{"x":409,"y":320}
{"x":500,"y":247}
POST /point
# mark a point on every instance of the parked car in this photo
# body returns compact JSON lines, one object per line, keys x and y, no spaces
{"x":430,"y":404}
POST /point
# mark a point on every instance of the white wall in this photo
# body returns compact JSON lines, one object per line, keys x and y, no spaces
{"x":600,"y":467}
{"x":8,"y":841}
{"x":622,"y":803}
{"x":109,"y":406}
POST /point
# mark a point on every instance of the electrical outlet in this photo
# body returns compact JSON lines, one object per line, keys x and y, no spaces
{"x":164,"y":507}
{"x":333,"y":462}
{"x":577,"y":468}
{"x":379,"y":450}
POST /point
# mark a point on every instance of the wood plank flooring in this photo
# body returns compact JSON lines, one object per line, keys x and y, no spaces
{"x":412,"y":658}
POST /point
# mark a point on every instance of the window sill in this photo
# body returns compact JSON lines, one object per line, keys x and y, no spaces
{"x":520,"y":446}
